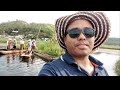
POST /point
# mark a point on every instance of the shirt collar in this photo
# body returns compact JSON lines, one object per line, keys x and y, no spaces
{"x":70,"y":60}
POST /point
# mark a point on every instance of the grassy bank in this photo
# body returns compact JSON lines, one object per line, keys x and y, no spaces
{"x":117,"y":67}
{"x":49,"y":47}
{"x":3,"y":40}
{"x":52,"y":47}
{"x":115,"y":47}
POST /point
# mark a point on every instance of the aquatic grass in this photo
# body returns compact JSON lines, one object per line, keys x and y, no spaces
{"x":49,"y":47}
{"x":117,"y":67}
{"x":3,"y":40}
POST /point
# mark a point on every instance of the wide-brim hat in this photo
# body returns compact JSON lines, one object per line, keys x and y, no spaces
{"x":99,"y":21}
{"x":33,"y":40}
{"x":29,"y":40}
{"x":9,"y":39}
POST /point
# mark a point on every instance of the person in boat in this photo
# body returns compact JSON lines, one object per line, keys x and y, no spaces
{"x":27,"y":56}
{"x":33,"y":44}
{"x":14,"y":43}
{"x":79,"y":35}
{"x":9,"y":44}
{"x":21,"y":44}
{"x":29,"y":46}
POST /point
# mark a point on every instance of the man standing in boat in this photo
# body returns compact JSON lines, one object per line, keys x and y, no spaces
{"x":21,"y":44}
{"x":29,"y":45}
{"x":14,"y":44}
{"x":33,"y":44}
{"x":9,"y":44}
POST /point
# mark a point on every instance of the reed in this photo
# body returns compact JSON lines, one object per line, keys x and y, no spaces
{"x":50,"y":47}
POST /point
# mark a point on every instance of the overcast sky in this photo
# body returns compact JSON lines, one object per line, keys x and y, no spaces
{"x":51,"y":16}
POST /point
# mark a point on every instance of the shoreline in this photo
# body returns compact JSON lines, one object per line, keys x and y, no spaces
{"x":111,"y":51}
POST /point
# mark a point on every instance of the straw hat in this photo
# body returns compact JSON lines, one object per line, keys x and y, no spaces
{"x":29,"y":40}
{"x":33,"y":40}
{"x":9,"y":39}
{"x":98,"y":20}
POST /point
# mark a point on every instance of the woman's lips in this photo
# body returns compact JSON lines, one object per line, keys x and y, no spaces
{"x":82,"y":46}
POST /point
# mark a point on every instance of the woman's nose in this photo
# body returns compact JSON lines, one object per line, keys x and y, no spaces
{"x":81,"y":37}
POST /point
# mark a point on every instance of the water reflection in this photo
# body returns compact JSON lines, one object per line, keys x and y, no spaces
{"x":12,"y":65}
{"x":8,"y":59}
{"x":108,"y":60}
{"x":13,"y":56}
{"x":29,"y":60}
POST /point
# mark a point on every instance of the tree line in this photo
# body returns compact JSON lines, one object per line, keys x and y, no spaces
{"x":113,"y":41}
{"x":36,"y":30}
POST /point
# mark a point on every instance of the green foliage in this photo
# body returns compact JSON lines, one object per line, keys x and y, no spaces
{"x":41,"y":30}
{"x":49,"y":47}
{"x":38,"y":30}
{"x":117,"y":67}
{"x":3,"y":40}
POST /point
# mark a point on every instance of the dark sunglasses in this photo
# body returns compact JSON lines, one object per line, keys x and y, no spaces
{"x":75,"y":32}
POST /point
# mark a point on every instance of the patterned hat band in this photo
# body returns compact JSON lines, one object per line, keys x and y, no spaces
{"x":98,"y":20}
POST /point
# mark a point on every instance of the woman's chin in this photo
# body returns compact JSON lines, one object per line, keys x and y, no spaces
{"x":83,"y":53}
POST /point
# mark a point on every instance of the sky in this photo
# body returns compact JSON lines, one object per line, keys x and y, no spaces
{"x":51,"y":16}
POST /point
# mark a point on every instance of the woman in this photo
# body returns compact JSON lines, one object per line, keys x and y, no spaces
{"x":79,"y":34}
{"x":14,"y":44}
{"x":9,"y":44}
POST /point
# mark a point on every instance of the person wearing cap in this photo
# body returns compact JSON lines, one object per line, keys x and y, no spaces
{"x":9,"y":44}
{"x":22,"y":42}
{"x":33,"y":44}
{"x":79,"y":35}
{"x":29,"y":45}
{"x":14,"y":44}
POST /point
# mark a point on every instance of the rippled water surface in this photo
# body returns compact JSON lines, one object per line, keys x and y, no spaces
{"x":109,"y":61}
{"x":11,"y":65}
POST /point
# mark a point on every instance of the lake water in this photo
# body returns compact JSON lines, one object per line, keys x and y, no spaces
{"x":11,"y":65}
{"x":109,"y":61}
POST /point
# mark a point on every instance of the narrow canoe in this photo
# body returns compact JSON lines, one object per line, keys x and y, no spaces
{"x":3,"y":52}
{"x":45,"y":57}
{"x":26,"y":55}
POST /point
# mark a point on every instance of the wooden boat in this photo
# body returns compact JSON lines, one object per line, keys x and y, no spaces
{"x":5,"y":51}
{"x":26,"y":57}
{"x":27,"y":54}
{"x":45,"y":57}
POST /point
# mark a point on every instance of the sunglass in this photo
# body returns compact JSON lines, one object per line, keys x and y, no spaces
{"x":75,"y":32}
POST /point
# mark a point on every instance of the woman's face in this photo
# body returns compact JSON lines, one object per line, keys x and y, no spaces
{"x":81,"y":45}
